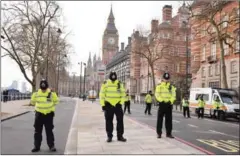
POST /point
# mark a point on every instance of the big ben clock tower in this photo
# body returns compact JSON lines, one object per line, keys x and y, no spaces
{"x":110,"y":40}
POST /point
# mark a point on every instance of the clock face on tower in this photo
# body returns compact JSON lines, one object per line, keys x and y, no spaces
{"x":111,"y":40}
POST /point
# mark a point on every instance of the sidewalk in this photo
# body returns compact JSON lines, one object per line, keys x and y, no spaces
{"x":87,"y":136}
{"x":13,"y":108}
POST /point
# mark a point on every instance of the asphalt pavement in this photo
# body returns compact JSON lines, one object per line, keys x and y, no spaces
{"x":17,"y":133}
{"x":215,"y":137}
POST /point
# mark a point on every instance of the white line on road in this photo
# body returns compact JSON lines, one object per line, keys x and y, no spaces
{"x":223,"y":134}
{"x":176,"y":121}
{"x":192,"y":126}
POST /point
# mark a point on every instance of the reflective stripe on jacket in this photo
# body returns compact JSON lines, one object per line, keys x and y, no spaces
{"x":148,"y":98}
{"x":201,"y":103}
{"x":112,"y":92}
{"x":164,"y":94}
{"x":217,"y":105}
{"x":128,"y":98}
{"x":43,"y":103}
{"x":185,"y":103}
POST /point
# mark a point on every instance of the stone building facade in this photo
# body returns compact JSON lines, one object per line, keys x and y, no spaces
{"x":206,"y":54}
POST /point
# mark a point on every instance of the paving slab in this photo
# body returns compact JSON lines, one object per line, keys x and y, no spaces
{"x":91,"y":136}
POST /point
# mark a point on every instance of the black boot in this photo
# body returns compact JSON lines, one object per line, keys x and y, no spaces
{"x":170,"y":136}
{"x":159,"y":136}
{"x":109,"y":139}
{"x":53,"y":149}
{"x":36,"y":149}
{"x":122,"y":139}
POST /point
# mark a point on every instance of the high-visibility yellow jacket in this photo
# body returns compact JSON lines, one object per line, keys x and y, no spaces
{"x":201,"y":103}
{"x":44,"y":101}
{"x":165,"y":93}
{"x":128,"y":98}
{"x":148,"y":98}
{"x":112,"y":92}
{"x":217,"y":104}
{"x":185,"y":103}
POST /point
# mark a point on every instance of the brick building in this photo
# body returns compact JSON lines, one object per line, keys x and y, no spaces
{"x":172,"y":32}
{"x":205,"y":60}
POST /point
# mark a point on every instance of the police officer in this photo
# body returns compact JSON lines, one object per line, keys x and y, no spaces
{"x":165,"y":94}
{"x":44,"y":101}
{"x":185,"y":104}
{"x":112,"y":97}
{"x":217,"y":107}
{"x":201,"y":105}
{"x":148,"y":101}
{"x":127,"y":103}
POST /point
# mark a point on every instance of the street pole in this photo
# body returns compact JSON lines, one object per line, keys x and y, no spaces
{"x":187,"y":60}
{"x":80,"y":79}
{"x":84,"y":78}
{"x":47,"y":52}
{"x":148,"y":79}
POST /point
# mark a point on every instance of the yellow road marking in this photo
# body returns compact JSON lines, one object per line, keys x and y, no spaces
{"x":231,"y":142}
{"x":222,"y":146}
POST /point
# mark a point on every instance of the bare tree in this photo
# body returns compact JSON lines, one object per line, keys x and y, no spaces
{"x":25,"y":25}
{"x":216,"y":23}
{"x":152,"y":47}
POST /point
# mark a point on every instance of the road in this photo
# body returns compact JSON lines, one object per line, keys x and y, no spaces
{"x":17,"y":133}
{"x":214,"y":136}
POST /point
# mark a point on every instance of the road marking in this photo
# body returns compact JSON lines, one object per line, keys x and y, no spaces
{"x":176,"y":121}
{"x":231,"y":142}
{"x":192,"y":126}
{"x":219,"y":145}
{"x":224,"y":134}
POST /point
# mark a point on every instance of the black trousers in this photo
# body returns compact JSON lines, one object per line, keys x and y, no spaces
{"x":47,"y":121}
{"x":186,"y":109}
{"x":127,"y":106}
{"x":200,"y":112}
{"x":148,"y":108}
{"x":218,"y":113}
{"x":109,"y":114}
{"x":165,"y":109}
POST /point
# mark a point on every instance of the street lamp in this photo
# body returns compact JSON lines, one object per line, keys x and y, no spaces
{"x":80,"y":63}
{"x":187,"y":60}
{"x":84,"y":78}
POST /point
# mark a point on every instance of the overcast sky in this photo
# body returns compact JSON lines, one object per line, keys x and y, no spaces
{"x":86,"y":20}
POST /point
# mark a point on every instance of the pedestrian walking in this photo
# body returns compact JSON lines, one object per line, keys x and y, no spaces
{"x":112,"y":97}
{"x":217,"y":105}
{"x":148,"y":102}
{"x":127,"y":103}
{"x":45,"y":102}
{"x":165,"y":94}
{"x":185,"y":104}
{"x":201,"y":105}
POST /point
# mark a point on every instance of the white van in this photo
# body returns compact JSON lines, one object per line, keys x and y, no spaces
{"x":228,"y":97}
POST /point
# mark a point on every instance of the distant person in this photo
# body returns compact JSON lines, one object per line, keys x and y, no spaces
{"x":185,"y":104}
{"x":201,"y":105}
{"x":217,"y":105}
{"x":127,"y":103}
{"x":148,"y":101}
{"x":45,"y":102}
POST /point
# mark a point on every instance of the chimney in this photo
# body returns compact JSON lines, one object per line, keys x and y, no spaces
{"x":122,"y":46}
{"x":167,"y":13}
{"x":154,"y":26}
{"x":129,"y":40}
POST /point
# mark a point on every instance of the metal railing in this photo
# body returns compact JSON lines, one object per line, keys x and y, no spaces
{"x":13,"y":97}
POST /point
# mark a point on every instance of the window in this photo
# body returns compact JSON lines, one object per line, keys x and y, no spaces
{"x":214,"y":84}
{"x":210,"y":71}
{"x":213,"y":50}
{"x":233,"y":67}
{"x":176,"y":51}
{"x":205,"y":96}
{"x":217,"y":69}
{"x":203,"y":85}
{"x":226,"y":48}
{"x":204,"y":30}
{"x":224,"y":20}
{"x":203,"y":72}
{"x":234,"y":84}
{"x":178,"y":68}
{"x":237,"y":48}
{"x":204,"y":53}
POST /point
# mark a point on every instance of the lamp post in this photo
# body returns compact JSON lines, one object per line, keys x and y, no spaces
{"x":187,"y":60}
{"x":84,"y":78}
{"x":80,"y":89}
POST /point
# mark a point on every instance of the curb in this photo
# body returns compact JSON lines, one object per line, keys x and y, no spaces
{"x":14,"y":116}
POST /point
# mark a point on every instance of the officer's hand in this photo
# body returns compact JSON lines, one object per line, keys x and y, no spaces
{"x":103,"y":108}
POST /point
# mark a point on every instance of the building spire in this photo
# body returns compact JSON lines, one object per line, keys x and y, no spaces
{"x":111,"y":16}
{"x":111,"y":24}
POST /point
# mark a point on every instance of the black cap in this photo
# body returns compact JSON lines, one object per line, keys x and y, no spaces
{"x":166,"y":76}
{"x":111,"y":75}
{"x":149,"y":91}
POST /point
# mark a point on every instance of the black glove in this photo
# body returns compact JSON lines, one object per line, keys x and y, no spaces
{"x":103,"y":108}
